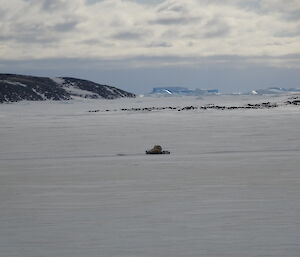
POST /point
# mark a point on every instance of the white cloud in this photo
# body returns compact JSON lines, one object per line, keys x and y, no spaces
{"x":36,"y":29}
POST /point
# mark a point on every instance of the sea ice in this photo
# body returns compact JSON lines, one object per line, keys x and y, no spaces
{"x":74,"y":183}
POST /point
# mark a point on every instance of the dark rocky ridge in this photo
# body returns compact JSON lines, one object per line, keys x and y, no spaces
{"x":14,"y":88}
{"x":266,"y":105}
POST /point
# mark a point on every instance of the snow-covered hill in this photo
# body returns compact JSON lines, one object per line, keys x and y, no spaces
{"x":14,"y":88}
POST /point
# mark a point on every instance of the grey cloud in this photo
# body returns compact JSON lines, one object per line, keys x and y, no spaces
{"x":65,"y":26}
{"x":2,"y":13}
{"x":96,"y":41}
{"x":37,"y":33}
{"x":292,"y":16}
{"x":288,"y":10}
{"x":91,"y":42}
{"x":32,"y":31}
{"x":29,"y":34}
{"x":212,"y":29}
{"x":173,"y":14}
{"x":116,"y":22}
{"x":153,"y":61}
{"x":128,"y":35}
{"x":175,"y":20}
{"x":33,"y":38}
{"x":49,"y":5}
{"x":216,"y":28}
{"x":170,"y":34}
{"x":28,"y":38}
{"x":289,"y":34}
{"x":89,"y":2}
{"x":291,"y":56}
{"x":52,"y":4}
{"x":6,"y":38}
{"x":248,"y":5}
{"x":220,"y":32}
{"x":159,"y":44}
{"x":176,"y":8}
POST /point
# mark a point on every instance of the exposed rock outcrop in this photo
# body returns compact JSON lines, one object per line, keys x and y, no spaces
{"x":157,"y":149}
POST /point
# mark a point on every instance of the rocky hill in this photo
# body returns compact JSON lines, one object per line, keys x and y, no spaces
{"x":14,"y":88}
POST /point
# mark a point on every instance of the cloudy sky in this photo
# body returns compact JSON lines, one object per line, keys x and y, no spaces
{"x":233,"y":45}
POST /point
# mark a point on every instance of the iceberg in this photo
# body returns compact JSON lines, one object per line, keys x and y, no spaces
{"x":181,"y":91}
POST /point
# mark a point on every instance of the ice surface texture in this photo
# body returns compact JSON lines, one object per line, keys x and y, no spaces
{"x":74,"y":183}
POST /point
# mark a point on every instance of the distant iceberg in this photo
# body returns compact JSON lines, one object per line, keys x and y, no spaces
{"x":273,"y":90}
{"x":181,"y":91}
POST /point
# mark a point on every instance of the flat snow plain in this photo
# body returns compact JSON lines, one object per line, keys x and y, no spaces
{"x":78,"y":184}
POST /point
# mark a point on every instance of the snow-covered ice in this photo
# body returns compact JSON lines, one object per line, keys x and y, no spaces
{"x":73,"y":89}
{"x":74,"y":183}
{"x":59,"y":81}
